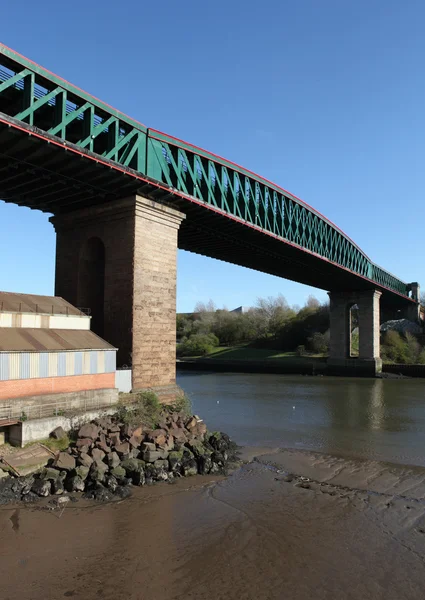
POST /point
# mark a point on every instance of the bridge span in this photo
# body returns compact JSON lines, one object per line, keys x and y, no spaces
{"x":124,"y":196}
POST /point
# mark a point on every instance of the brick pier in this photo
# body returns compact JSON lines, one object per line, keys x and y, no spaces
{"x":121,"y":257}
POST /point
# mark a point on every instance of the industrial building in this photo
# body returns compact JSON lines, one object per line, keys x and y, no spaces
{"x":50,"y":358}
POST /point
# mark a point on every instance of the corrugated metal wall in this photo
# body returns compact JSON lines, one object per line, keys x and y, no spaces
{"x":35,"y":365}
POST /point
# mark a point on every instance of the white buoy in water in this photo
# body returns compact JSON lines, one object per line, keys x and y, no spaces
{"x":218,"y":401}
{"x":293,"y":408}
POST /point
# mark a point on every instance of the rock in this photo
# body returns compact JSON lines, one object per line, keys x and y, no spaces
{"x":82,"y":472}
{"x":29,"y":498}
{"x":179,"y":434}
{"x":175,"y":460}
{"x":58,"y":486}
{"x":119,"y":473}
{"x":65,"y":461}
{"x":99,"y":492}
{"x":114,"y":428}
{"x":102,"y":445}
{"x":151,"y":456}
{"x":113,"y":460}
{"x":111,"y":482}
{"x":126,"y":430}
{"x":41,"y":487}
{"x":199,"y":430}
{"x":123,"y":449}
{"x":3,"y":474}
{"x":90,"y":430}
{"x":103,"y":422}
{"x":189,"y":467}
{"x":134,"y":469}
{"x":135,"y":441}
{"x":84,"y":444}
{"x":161,"y":464}
{"x":191,"y":423}
{"x":58,"y":433}
{"x":158,"y":436}
{"x":148,"y":446}
{"x":204,"y":464}
{"x":98,"y":471}
{"x":85,"y":460}
{"x":51,"y":474}
{"x":97,"y":454}
{"x":75,"y":484}
{"x":115,"y":439}
{"x":138,"y":432}
{"x":122,"y":492}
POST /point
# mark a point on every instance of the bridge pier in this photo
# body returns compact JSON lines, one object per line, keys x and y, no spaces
{"x":120,"y":260}
{"x":340,"y":359}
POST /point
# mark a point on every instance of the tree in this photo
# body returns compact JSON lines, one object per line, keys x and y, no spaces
{"x":275,"y":312}
{"x":205,"y":307}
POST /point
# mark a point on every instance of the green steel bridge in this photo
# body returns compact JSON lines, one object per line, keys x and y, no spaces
{"x":61,"y":149}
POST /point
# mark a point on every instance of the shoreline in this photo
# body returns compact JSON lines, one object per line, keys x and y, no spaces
{"x":290,"y":523}
{"x":314,"y":367}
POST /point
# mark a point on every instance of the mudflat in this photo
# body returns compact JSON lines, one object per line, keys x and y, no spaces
{"x":289,"y":525}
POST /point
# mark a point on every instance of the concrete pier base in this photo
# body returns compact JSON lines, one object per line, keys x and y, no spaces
{"x":358,"y":367}
{"x":340,"y":361}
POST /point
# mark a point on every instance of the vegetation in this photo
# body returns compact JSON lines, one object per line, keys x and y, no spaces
{"x":54,"y":444}
{"x":402,"y":348}
{"x":198,"y":344}
{"x":271,"y":324}
{"x":183,"y":405}
{"x":279,"y":330}
{"x":146,"y":410}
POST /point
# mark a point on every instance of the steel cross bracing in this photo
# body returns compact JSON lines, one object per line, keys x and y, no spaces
{"x":46,"y":103}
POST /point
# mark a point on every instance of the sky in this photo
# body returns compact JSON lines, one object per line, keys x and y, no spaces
{"x":326,"y":98}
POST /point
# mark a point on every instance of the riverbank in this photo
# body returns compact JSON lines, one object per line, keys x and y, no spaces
{"x":239,"y":361}
{"x":290,"y":524}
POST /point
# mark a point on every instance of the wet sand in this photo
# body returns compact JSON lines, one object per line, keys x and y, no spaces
{"x":343,"y":529}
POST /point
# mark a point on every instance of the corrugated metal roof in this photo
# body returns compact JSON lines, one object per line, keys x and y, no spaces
{"x":41,"y":340}
{"x":31,"y":303}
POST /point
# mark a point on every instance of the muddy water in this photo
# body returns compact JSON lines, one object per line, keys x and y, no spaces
{"x":377,"y":419}
{"x":290,"y":525}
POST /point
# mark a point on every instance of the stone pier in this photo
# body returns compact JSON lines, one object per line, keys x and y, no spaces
{"x":368,"y":362}
{"x":118,"y":260}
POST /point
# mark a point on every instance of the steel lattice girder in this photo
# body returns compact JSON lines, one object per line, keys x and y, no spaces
{"x":39,"y":98}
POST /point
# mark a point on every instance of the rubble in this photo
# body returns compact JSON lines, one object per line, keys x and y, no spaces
{"x":108,"y":456}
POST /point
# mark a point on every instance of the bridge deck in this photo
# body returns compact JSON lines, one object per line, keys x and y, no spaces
{"x":61,"y":149}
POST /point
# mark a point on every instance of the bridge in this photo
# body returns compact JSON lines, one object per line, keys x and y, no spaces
{"x":124,"y":196}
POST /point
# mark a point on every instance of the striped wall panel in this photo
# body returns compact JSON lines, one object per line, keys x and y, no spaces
{"x":36,"y":365}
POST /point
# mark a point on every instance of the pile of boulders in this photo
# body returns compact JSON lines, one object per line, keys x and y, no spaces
{"x":109,"y":456}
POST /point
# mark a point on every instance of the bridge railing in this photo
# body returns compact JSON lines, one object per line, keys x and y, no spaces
{"x":39,"y":98}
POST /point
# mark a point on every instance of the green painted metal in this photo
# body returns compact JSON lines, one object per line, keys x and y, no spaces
{"x":41,"y":99}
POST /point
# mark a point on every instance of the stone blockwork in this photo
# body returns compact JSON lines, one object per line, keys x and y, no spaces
{"x":369,"y":333}
{"x":139,"y":301}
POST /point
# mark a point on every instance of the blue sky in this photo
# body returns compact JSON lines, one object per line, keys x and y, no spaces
{"x":325,"y":98}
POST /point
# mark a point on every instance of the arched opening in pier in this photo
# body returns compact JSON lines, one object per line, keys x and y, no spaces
{"x":91,"y":282}
{"x":354,"y":331}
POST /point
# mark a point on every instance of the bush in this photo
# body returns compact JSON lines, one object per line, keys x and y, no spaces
{"x":199,"y":344}
{"x":301,"y":351}
{"x":146,"y":410}
{"x":401,"y":349}
{"x":317,"y":343}
{"x":183,"y":405}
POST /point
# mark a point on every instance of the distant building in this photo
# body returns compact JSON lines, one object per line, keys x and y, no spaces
{"x":46,"y":350}
{"x":241,"y":309}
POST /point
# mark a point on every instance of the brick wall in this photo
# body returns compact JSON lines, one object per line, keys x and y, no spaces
{"x":54,"y":385}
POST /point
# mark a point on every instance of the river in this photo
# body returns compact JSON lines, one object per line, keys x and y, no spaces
{"x":374,"y":419}
{"x":328,"y":517}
